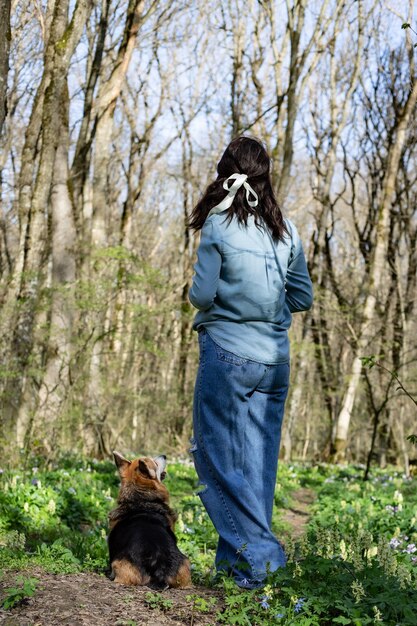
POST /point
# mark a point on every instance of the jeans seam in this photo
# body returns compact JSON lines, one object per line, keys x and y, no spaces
{"x":263,"y":375}
{"x":229,"y":515}
{"x":201,"y":446}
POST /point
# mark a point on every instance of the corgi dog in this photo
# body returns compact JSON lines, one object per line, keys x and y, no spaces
{"x":142,"y":544}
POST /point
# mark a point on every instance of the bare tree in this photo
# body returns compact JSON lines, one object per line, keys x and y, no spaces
{"x":35,"y":187}
{"x":117,"y":113}
{"x":377,"y":262}
{"x":5,"y":35}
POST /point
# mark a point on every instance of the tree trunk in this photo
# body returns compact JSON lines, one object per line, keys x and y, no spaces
{"x":236,"y":85}
{"x":56,"y":381}
{"x":4,"y":57}
{"x":29,"y":276}
{"x":104,"y":109}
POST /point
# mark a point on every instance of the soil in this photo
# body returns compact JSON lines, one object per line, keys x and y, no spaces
{"x":297,"y":516}
{"x":89,"y":599}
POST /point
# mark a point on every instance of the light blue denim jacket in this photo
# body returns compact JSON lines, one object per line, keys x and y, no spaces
{"x":246,"y":287}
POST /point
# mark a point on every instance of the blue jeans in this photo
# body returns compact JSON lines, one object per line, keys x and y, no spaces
{"x":238,"y":411}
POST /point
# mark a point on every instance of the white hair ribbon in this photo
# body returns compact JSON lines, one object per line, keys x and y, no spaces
{"x":240,"y":179}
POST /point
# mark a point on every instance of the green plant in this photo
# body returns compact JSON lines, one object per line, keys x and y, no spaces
{"x":157,"y":601}
{"x":200,"y":605}
{"x":356,"y":565}
{"x":25,"y":588}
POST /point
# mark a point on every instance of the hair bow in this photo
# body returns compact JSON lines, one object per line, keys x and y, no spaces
{"x":239,"y":180}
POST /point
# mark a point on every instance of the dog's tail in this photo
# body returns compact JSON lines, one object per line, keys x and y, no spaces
{"x":159,"y":567}
{"x":160,"y":585}
{"x":159,"y":570}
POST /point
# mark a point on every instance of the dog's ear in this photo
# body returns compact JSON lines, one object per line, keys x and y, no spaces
{"x":161,"y":463}
{"x":121,"y":462}
{"x":145,"y":470}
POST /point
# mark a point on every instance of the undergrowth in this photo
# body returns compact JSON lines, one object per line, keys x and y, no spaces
{"x":357,"y":563}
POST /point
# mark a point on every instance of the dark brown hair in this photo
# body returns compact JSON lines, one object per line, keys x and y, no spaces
{"x":244,"y":155}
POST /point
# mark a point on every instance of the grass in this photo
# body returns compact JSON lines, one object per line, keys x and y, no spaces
{"x":356,"y":565}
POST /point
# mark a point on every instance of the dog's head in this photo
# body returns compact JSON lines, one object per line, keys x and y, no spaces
{"x":144,"y":473}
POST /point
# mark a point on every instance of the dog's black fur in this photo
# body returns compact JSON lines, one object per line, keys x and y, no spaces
{"x":147,"y":541}
{"x":142,"y":531}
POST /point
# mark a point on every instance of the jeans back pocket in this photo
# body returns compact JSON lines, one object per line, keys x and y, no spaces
{"x":229,"y":357}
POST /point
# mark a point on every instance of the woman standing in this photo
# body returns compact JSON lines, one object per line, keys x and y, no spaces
{"x":250,"y":276}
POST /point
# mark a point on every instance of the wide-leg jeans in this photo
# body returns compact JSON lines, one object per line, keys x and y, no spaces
{"x":237,"y":418}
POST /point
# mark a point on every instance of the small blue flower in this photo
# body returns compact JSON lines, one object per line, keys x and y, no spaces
{"x":264,"y":602}
{"x":34,"y":482}
{"x":299,"y":605}
{"x":279,"y":615}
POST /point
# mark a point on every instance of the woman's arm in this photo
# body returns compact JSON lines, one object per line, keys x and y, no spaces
{"x":207,"y":269}
{"x":298,"y":285}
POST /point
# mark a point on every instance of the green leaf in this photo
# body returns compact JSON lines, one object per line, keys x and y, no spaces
{"x":406,"y":25}
{"x":368,"y":361}
{"x":15,"y":595}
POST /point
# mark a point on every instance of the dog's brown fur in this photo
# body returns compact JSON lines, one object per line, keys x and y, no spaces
{"x":142,"y":529}
{"x":132,"y":480}
{"x":125,"y":573}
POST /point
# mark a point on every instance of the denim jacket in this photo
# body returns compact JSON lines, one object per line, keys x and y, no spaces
{"x":246,"y":287}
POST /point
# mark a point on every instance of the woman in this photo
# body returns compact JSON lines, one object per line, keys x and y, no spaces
{"x":250,"y":276}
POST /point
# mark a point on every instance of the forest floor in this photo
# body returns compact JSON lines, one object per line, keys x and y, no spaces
{"x":88,"y":599}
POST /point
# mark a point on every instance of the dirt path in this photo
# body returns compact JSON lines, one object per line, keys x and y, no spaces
{"x":297,"y":516}
{"x":92,"y":600}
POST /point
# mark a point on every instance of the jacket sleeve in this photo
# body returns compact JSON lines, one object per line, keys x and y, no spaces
{"x":207,"y":269}
{"x":298,"y":285}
